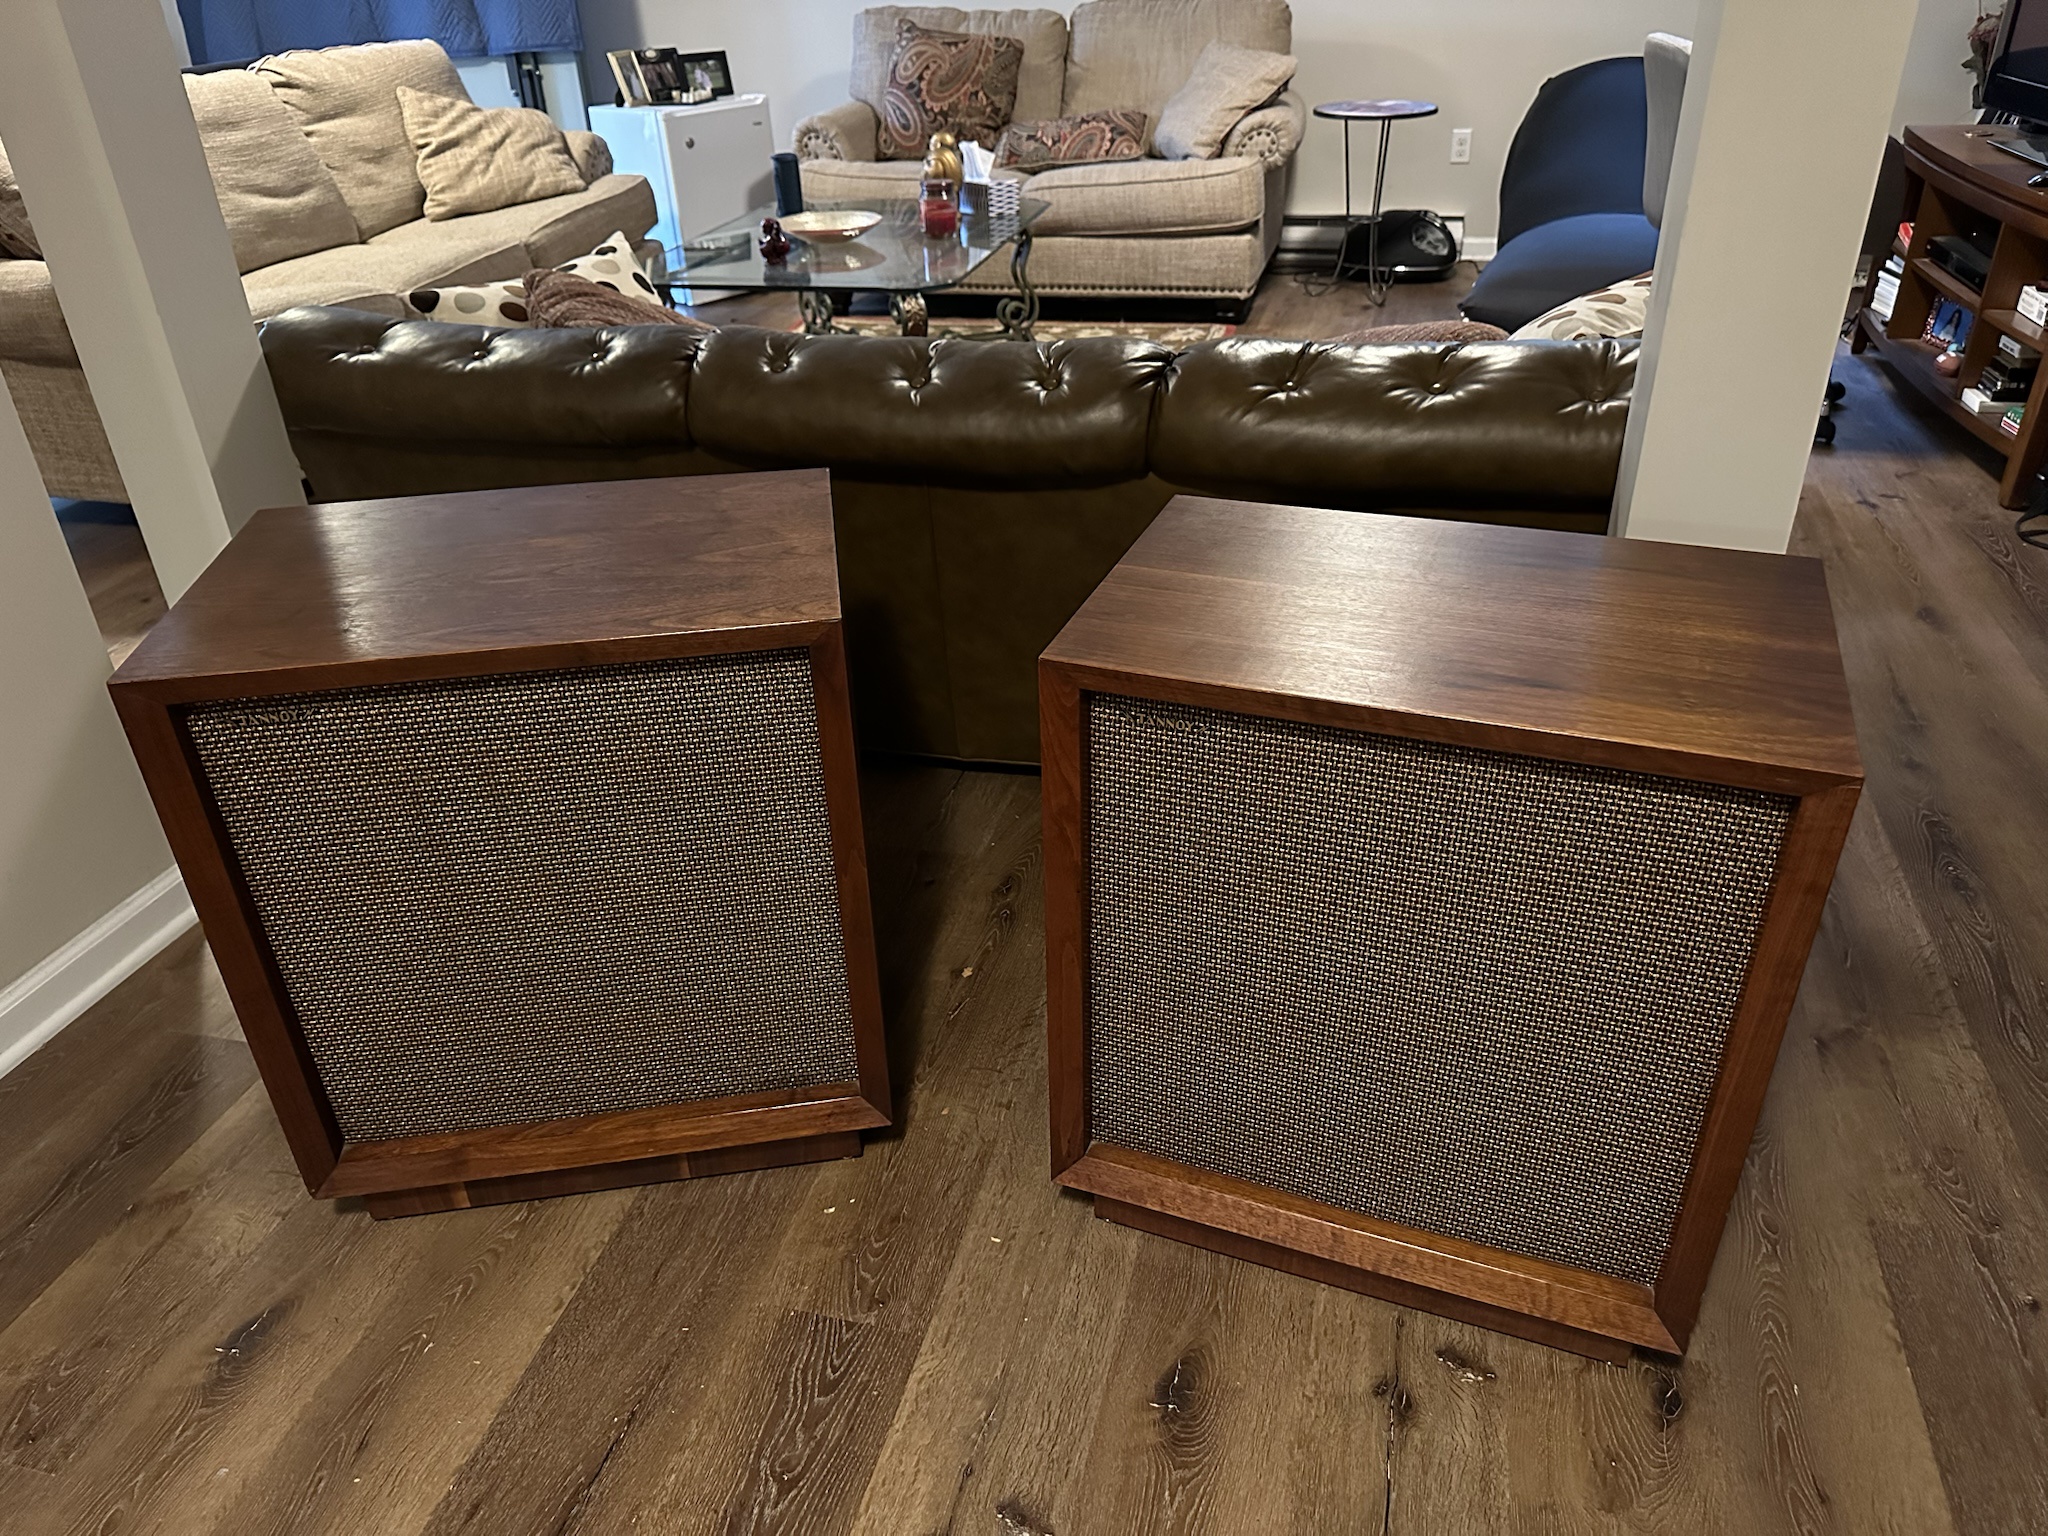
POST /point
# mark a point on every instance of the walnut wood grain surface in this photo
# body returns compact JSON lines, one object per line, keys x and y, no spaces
{"x":1660,"y":656}
{"x":190,"y":1345}
{"x":377,"y":587}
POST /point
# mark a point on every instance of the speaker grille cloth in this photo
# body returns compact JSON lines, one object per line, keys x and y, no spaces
{"x":1472,"y":993}
{"x":510,"y":899}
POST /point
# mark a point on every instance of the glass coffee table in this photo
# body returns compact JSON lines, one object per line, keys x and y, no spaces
{"x":895,"y":257}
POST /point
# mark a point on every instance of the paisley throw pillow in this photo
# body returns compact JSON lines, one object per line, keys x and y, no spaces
{"x":1085,"y":140}
{"x":963,"y":82}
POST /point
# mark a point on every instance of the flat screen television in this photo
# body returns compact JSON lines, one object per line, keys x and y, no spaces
{"x":2018,"y":80}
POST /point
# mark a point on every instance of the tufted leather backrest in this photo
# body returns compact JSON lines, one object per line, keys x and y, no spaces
{"x":957,"y":412}
{"x":980,"y":489}
{"x":1487,"y":425}
{"x":348,"y":371}
{"x":1502,"y":427}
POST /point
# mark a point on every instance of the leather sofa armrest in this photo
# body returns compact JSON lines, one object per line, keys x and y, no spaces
{"x":592,"y":155}
{"x":1272,"y":133}
{"x":848,"y":132}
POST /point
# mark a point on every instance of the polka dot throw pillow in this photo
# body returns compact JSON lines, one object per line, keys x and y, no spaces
{"x":489,"y":304}
{"x":611,"y":265}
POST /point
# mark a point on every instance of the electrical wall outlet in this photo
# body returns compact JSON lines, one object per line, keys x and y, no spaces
{"x":1461,"y":146}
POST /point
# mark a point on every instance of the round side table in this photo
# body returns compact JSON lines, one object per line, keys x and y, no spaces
{"x":1386,"y":114}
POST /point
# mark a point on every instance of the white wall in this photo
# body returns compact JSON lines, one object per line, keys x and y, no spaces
{"x":1481,"y":60}
{"x":1935,"y":87}
{"x":79,"y":843}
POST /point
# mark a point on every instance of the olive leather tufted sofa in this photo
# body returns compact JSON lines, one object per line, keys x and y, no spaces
{"x":981,"y":489}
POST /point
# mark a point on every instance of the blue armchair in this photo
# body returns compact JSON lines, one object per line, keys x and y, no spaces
{"x":1571,"y":196}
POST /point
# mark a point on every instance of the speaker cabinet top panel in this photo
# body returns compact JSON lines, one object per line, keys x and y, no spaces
{"x":1662,"y":658}
{"x":568,"y":575}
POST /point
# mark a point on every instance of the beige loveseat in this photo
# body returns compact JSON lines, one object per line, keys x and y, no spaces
{"x":1198,"y":228}
{"x":315,"y":177}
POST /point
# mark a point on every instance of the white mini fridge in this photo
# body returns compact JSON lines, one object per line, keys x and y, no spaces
{"x":707,"y":164}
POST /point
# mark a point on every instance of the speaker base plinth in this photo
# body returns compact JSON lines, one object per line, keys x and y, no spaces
{"x":580,"y":1181}
{"x":1381,"y":1287}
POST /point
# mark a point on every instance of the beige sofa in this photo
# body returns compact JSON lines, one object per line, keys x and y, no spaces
{"x":315,"y":178}
{"x":1195,"y":228}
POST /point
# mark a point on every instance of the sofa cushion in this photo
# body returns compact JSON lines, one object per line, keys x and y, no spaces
{"x":1543,"y":267}
{"x":1150,"y":197}
{"x":473,"y":159}
{"x":373,"y":276}
{"x":1040,"y":78}
{"x":1228,"y":81}
{"x":1084,"y":266}
{"x":31,"y":325}
{"x":856,"y":180}
{"x":346,"y":102}
{"x":17,"y":235}
{"x":550,"y":231}
{"x":277,"y":198}
{"x":953,"y":82}
{"x":1093,"y":139}
{"x":1137,"y":53}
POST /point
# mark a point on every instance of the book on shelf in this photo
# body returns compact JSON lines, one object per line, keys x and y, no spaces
{"x":2009,"y":423}
{"x":2033,"y":305}
{"x":1977,"y":403}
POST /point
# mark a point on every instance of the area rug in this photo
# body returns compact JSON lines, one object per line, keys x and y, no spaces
{"x":1166,"y":333}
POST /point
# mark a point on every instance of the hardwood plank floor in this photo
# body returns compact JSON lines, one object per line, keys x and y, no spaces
{"x":933,"y":1339}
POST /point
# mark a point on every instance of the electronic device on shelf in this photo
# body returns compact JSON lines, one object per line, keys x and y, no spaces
{"x":2017,"y":82}
{"x":1962,"y":257}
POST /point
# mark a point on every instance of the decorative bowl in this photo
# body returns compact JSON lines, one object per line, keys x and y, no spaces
{"x":829,"y":226}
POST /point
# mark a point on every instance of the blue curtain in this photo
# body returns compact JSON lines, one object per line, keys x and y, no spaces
{"x":228,"y":31}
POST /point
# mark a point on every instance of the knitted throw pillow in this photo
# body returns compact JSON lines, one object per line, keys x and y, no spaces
{"x":1426,"y":331}
{"x":562,"y":299}
{"x":963,"y":82}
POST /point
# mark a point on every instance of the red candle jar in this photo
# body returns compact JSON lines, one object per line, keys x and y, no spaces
{"x":938,"y":208}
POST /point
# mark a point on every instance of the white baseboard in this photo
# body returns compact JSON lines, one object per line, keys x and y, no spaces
{"x":65,"y":984}
{"x":1480,"y":248}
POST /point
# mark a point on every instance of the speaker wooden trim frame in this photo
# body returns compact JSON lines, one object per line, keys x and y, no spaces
{"x":1555,"y":1304}
{"x":430,"y":1171}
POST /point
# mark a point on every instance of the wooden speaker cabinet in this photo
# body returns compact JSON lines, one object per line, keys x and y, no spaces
{"x":1425,"y":900}
{"x":524,"y":826}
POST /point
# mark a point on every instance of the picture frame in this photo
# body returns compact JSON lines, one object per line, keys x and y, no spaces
{"x":652,"y":77}
{"x":660,"y":81}
{"x":626,"y":73}
{"x":705,"y":76}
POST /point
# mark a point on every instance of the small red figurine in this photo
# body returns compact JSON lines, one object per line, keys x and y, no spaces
{"x":775,"y":245}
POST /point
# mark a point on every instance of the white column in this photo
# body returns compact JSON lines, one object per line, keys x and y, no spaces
{"x":81,"y":856}
{"x":95,"y":120}
{"x":1785,"y":117}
